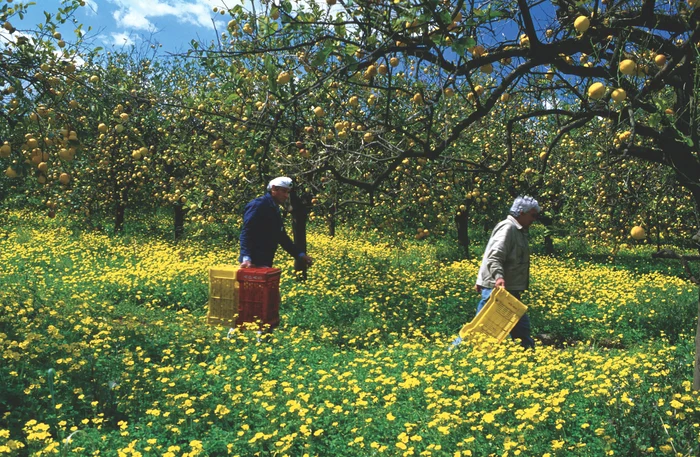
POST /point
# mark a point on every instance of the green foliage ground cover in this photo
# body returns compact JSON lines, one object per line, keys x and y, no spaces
{"x":107,"y":352}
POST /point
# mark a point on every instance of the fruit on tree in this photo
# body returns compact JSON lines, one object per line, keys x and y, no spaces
{"x":638,"y":233}
{"x":284,"y":77}
{"x":619,"y":95}
{"x":596,"y":91}
{"x":581,"y":24}
{"x":628,"y":67}
{"x":5,"y":150}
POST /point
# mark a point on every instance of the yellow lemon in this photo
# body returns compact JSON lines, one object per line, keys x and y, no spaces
{"x":628,"y":67}
{"x":619,"y":95}
{"x":581,"y":24}
{"x":638,"y":233}
{"x":283,"y":78}
{"x":596,"y":91}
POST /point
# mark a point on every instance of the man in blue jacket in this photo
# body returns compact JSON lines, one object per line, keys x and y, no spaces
{"x":263,"y":229}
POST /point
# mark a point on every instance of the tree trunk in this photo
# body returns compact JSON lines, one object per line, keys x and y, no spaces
{"x":120,"y":209}
{"x":332,"y":220}
{"x":548,"y":241}
{"x":696,"y":371}
{"x":548,"y":245}
{"x":462,"y":222}
{"x":179,"y":220}
{"x":300,"y":215}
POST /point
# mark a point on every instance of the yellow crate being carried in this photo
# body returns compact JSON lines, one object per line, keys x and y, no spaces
{"x":223,"y":296}
{"x":498,"y":316}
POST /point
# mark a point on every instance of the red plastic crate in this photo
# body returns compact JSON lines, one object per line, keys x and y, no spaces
{"x":259,"y":295}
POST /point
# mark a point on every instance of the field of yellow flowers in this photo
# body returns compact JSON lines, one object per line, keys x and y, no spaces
{"x":106,"y":351}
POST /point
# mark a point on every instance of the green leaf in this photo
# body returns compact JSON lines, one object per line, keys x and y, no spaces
{"x":264,"y":26}
{"x":351,"y":49}
{"x":461,"y":45}
{"x":271,"y":71}
{"x":269,"y":65}
{"x":655,"y":120}
{"x":492,"y":14}
{"x":340,"y":30}
{"x":399,"y":23}
{"x":322,"y":56}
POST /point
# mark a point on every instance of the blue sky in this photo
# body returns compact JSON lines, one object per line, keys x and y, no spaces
{"x":172,"y":23}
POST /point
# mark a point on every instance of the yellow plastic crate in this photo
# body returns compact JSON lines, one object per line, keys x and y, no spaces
{"x":498,"y":316}
{"x":223,"y":296}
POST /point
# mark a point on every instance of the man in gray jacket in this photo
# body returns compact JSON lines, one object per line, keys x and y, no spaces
{"x":506,"y":261}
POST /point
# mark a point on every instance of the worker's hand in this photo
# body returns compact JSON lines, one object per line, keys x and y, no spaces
{"x":500,"y":282}
{"x":477,"y":288}
{"x":308,"y":261}
{"x":246,"y":264}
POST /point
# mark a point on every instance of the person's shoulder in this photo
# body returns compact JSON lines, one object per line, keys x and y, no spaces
{"x":504,"y":223}
{"x":504,"y":228}
{"x":260,"y":200}
{"x":255,"y":203}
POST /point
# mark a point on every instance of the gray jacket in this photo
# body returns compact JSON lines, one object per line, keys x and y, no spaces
{"x":507,"y":256}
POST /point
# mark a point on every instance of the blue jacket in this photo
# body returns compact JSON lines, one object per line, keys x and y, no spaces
{"x":263,"y":230}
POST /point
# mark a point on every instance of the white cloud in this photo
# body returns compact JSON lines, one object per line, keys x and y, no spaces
{"x":143,"y":14}
{"x":133,"y":20}
{"x":7,"y":37}
{"x":121,"y":39}
{"x":90,"y":7}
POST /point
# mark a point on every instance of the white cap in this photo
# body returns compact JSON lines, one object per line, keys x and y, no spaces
{"x":523,"y":204}
{"x":281,"y":181}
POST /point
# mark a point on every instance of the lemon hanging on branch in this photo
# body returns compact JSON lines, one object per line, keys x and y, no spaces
{"x":619,"y":95}
{"x":638,"y":233}
{"x":628,"y":67}
{"x":581,"y":24}
{"x":596,"y":91}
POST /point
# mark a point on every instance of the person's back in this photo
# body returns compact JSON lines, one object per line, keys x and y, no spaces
{"x":263,"y":228}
